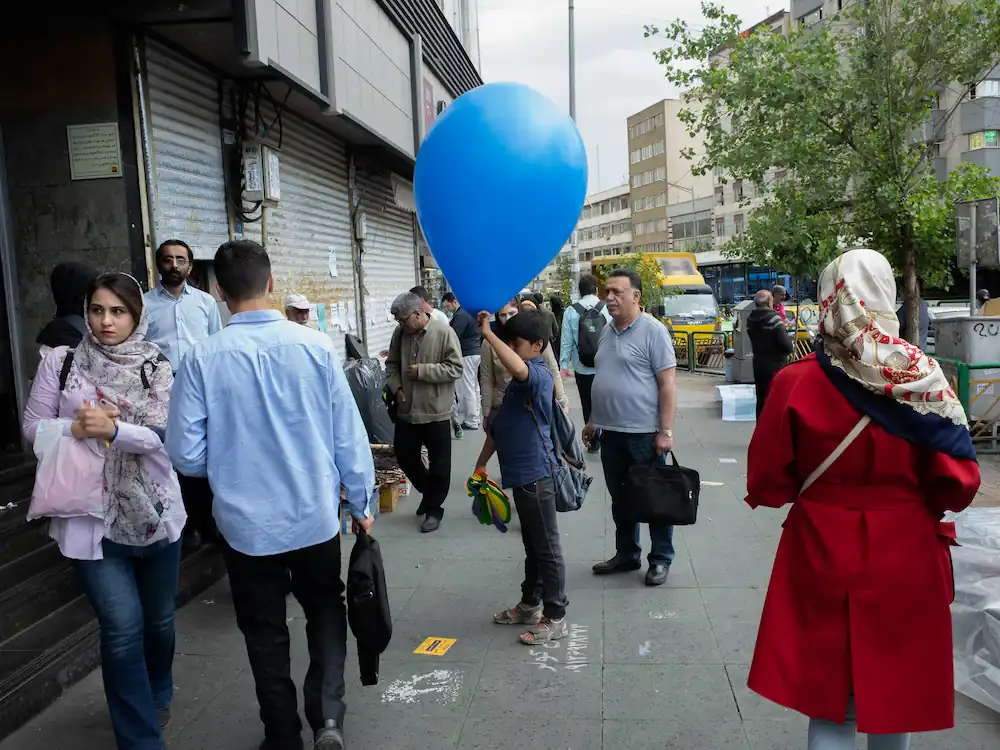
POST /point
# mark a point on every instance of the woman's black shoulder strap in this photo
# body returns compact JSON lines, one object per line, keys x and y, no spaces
{"x":153,"y":364}
{"x":67,"y":366}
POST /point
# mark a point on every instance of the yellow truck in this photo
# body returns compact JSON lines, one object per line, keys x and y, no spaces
{"x":687,"y":303}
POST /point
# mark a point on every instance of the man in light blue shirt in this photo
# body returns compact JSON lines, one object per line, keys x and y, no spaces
{"x":570,"y":348}
{"x":264,"y":411}
{"x":179,"y":314}
{"x":179,"y":317}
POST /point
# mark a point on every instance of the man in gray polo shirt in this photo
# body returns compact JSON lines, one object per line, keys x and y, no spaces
{"x":634,"y":400}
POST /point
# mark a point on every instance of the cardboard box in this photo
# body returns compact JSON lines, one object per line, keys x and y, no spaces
{"x":388,"y":497}
{"x":345,"y":511}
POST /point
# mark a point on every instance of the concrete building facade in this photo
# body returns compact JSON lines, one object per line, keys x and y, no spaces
{"x":658,"y":173}
{"x":972,"y":134}
{"x":604,"y":228}
{"x":735,"y":200}
{"x":125,"y":124}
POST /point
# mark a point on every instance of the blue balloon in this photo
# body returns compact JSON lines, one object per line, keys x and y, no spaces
{"x":499,"y":184}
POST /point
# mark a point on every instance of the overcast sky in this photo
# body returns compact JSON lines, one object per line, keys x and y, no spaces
{"x":616,"y":75}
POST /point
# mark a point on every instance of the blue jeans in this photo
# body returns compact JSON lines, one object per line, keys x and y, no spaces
{"x":619,"y":452}
{"x":826,"y":735}
{"x":133,"y":592}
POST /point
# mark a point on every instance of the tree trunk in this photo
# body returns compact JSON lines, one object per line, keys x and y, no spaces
{"x":911,"y":289}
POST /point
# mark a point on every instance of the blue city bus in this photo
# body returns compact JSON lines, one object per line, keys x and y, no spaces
{"x":733,"y":281}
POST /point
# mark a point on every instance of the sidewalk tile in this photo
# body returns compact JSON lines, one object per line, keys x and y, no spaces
{"x":543,"y":690}
{"x":634,"y":692}
{"x":687,"y":733}
{"x":659,"y":627}
{"x":752,"y":706}
{"x":545,"y":733}
{"x":643,"y":669}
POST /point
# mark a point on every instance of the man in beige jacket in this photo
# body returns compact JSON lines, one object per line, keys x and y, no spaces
{"x":424,"y":362}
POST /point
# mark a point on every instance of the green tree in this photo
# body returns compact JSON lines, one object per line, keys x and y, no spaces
{"x":837,"y":107}
{"x":649,"y":272}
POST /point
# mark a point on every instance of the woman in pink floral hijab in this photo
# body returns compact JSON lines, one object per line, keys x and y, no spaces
{"x":114,"y":391}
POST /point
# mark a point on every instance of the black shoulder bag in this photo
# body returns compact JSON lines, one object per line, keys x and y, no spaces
{"x":664,"y":493}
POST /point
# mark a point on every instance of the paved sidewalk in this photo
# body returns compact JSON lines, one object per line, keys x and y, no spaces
{"x":643,"y":669}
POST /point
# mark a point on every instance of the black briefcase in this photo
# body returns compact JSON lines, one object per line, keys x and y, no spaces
{"x":663,"y":493}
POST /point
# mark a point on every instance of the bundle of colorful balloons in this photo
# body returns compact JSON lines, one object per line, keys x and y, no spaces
{"x":489,"y":502}
{"x":499,"y":184}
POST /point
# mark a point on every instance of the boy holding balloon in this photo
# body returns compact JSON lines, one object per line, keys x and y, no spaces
{"x":520,"y":436}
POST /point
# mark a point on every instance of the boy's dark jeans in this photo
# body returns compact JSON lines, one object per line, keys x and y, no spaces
{"x":544,"y":569}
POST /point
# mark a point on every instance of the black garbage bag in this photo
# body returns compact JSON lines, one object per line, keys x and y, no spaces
{"x":367,"y":380}
{"x":354,"y":347}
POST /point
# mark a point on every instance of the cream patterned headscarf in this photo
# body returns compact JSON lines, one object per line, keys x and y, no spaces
{"x":123,"y":375}
{"x":860,"y":333}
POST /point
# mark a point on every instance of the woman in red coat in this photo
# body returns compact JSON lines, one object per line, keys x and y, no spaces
{"x":868,"y":442}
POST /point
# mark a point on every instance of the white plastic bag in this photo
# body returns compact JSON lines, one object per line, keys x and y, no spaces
{"x":69,"y":480}
{"x":975,"y":613}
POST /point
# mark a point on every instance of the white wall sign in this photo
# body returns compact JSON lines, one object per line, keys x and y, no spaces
{"x":94,"y":151}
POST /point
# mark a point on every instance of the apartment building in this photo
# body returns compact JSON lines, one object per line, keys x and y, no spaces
{"x":604,"y":228}
{"x":735,"y":200}
{"x":973,"y":132}
{"x":658,"y":174}
{"x":463,"y":17}
{"x":692,"y":224}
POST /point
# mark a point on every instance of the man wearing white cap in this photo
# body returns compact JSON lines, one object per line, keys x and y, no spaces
{"x":297,"y":308}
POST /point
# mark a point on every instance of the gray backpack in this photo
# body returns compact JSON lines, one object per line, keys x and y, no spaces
{"x":569,"y":470}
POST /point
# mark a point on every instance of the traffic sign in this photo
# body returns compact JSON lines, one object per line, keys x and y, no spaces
{"x":985,"y":236}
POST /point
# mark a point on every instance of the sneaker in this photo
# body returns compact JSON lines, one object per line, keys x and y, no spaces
{"x":522,"y":614}
{"x":467,"y":426}
{"x":548,"y":629}
{"x":458,"y":431}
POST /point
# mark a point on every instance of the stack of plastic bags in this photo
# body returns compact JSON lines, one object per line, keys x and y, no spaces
{"x":489,"y":503}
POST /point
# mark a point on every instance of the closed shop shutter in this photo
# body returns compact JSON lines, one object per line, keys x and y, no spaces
{"x":188,"y":196}
{"x":309,"y":230}
{"x":389,"y":258}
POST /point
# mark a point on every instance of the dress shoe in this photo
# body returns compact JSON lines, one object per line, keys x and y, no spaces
{"x":421,"y":509}
{"x":431,"y":523}
{"x":164,"y":714}
{"x":615,"y":565}
{"x":657,"y":574}
{"x":330,"y":737}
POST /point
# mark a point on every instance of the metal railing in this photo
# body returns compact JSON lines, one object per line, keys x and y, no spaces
{"x":702,"y":351}
{"x":681,"y":350}
{"x":978,"y":388}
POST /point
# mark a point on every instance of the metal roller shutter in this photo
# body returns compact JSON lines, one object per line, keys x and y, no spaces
{"x":311,"y":223}
{"x":389,"y":258}
{"x":188,"y":196}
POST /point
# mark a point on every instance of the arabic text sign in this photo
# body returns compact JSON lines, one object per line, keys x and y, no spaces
{"x":94,"y":151}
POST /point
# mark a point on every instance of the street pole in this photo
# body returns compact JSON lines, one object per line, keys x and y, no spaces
{"x":572,"y":114}
{"x":973,"y":260}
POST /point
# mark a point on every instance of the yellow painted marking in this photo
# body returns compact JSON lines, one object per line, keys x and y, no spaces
{"x":435,"y":646}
